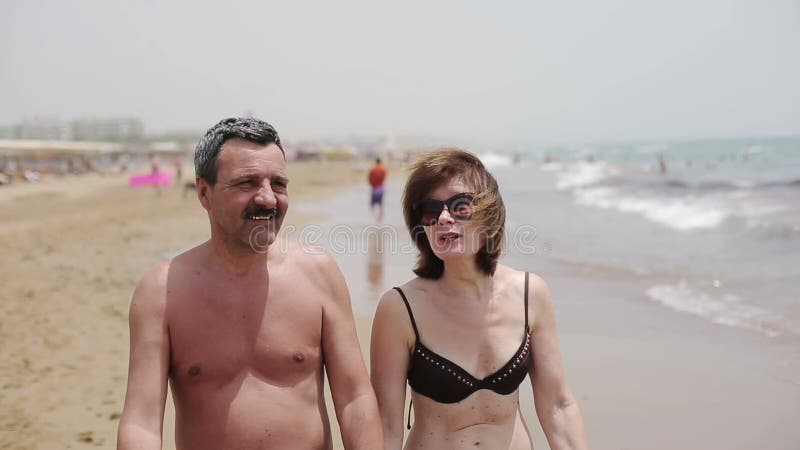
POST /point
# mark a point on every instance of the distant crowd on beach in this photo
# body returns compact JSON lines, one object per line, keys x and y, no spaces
{"x":28,"y":170}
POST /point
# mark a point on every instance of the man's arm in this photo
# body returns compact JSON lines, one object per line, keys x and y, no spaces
{"x":556,"y":407}
{"x":353,"y":397}
{"x":142,"y":417}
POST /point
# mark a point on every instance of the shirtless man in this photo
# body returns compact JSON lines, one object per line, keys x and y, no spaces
{"x":243,"y":324}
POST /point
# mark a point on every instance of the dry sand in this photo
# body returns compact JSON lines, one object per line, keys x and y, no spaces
{"x":73,"y":251}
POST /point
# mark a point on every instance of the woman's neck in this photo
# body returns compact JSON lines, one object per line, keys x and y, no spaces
{"x":464,"y":279}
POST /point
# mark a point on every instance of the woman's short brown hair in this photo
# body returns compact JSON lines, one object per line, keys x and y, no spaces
{"x":434,"y":169}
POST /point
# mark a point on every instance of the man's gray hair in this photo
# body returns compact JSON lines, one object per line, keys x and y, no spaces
{"x":250,"y":129}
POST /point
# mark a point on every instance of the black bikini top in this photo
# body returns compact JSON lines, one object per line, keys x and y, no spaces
{"x":442,"y":380}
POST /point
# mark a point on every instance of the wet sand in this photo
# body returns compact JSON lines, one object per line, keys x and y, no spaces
{"x":646,"y":377}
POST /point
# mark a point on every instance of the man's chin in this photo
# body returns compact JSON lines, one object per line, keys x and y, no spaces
{"x":261,"y":236}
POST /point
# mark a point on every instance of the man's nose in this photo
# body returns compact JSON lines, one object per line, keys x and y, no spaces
{"x":265,"y":196}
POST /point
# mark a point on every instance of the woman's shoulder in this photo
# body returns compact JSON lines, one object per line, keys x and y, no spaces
{"x":409,"y":291}
{"x":393,"y":314}
{"x":513,"y":280}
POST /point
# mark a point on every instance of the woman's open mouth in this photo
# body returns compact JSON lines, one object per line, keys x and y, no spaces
{"x":448,"y":237}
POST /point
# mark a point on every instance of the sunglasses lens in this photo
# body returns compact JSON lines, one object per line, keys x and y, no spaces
{"x":430,"y":210}
{"x":459,"y":206}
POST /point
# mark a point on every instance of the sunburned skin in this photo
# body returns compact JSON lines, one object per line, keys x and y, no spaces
{"x":239,"y":325}
{"x":244,"y":377}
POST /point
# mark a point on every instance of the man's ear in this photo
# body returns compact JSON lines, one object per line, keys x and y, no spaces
{"x":203,"y":189}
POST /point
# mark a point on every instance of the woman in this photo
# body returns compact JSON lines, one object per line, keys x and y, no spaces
{"x":466,"y":331}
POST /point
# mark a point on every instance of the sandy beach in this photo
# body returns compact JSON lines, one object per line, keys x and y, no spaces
{"x":74,"y":248}
{"x":73,"y":251}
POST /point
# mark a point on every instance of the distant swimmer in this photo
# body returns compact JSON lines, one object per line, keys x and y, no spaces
{"x":662,"y":164}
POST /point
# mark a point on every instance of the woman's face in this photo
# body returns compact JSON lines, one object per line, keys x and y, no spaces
{"x":452,"y":233}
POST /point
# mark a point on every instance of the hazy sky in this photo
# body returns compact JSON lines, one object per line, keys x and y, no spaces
{"x":499,"y":73}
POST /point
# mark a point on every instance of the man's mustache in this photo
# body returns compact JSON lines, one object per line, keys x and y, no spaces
{"x":256,"y":210}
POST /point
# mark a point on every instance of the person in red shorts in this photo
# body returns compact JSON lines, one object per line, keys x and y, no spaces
{"x":377,"y":175}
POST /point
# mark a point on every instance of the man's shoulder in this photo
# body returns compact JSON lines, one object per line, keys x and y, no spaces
{"x":309,"y":263}
{"x":156,"y":276}
{"x":308,"y":256}
{"x":155,"y":279}
{"x":150,"y":295}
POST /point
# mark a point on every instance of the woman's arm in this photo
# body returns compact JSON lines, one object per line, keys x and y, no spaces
{"x":391,"y":345}
{"x":556,"y":407}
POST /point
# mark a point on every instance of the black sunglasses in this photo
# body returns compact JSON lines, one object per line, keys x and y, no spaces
{"x":459,"y":206}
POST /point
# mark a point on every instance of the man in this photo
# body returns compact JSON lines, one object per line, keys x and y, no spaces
{"x":376,"y":177}
{"x":244,"y":324}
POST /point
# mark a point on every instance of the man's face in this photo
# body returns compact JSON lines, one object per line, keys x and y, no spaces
{"x":247,"y":204}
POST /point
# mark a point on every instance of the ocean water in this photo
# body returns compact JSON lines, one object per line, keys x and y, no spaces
{"x":687,"y":278}
{"x":715,"y":235}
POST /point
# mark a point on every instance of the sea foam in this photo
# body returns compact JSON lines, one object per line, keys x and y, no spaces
{"x":492,"y":160}
{"x":727,"y":309}
{"x":679,"y":214}
{"x":585,"y":174}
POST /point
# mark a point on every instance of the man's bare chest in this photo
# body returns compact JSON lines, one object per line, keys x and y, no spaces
{"x":218,"y":336}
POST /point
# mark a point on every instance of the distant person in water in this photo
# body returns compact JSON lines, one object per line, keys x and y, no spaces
{"x":245,"y":327}
{"x":662,"y":164}
{"x":376,"y":177}
{"x":449,"y":332}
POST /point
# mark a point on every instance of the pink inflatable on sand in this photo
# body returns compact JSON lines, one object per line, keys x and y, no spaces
{"x":150,"y":179}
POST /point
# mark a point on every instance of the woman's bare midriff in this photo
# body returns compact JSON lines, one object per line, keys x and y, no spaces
{"x":485,"y":420}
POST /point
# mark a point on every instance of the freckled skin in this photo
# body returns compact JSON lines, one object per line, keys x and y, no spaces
{"x":476,"y":321}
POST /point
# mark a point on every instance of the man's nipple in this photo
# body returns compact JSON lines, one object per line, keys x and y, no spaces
{"x":194,"y":370}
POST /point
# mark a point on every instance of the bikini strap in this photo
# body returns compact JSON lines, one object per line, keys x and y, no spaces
{"x":410,"y":314}
{"x":416,"y":333}
{"x":408,"y":424}
{"x":527,"y":275}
